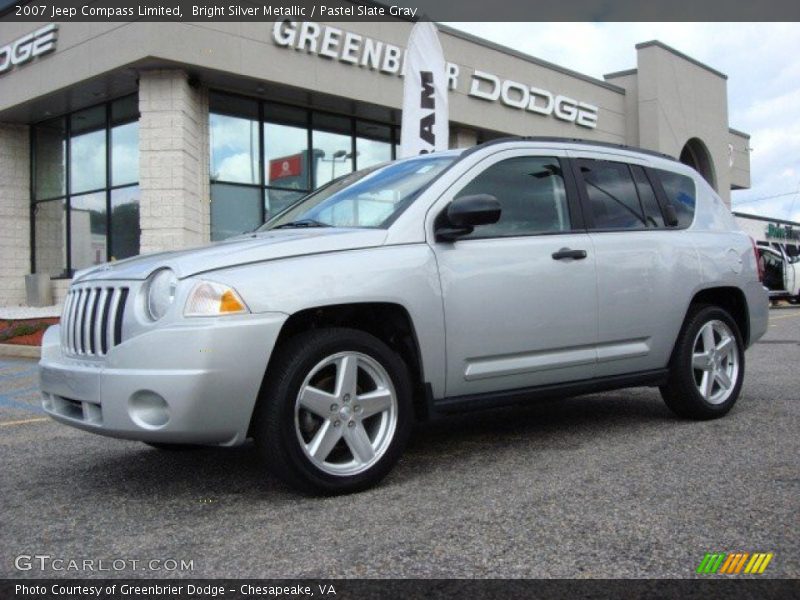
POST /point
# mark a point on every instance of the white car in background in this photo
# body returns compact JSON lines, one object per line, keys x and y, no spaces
{"x":781,"y":274}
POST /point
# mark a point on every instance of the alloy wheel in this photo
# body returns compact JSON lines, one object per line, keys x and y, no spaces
{"x":715,"y":361}
{"x":346,"y":413}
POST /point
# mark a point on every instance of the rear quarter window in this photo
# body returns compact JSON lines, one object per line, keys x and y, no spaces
{"x":681,"y":193}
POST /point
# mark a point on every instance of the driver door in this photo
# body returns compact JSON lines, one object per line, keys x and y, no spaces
{"x":519,"y":312}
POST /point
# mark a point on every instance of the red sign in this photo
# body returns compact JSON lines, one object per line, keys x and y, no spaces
{"x":287,"y":166}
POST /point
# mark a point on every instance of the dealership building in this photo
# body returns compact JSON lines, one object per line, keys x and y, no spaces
{"x":123,"y":138}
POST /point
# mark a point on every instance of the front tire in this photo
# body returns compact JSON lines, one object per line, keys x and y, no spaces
{"x":793,"y":300}
{"x":707,"y":366}
{"x":335,"y":411}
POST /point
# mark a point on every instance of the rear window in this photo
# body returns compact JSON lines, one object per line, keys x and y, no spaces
{"x":680,"y":192}
{"x":613,"y":198}
{"x":652,"y":211}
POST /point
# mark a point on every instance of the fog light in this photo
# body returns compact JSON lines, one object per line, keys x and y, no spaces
{"x":148,"y":410}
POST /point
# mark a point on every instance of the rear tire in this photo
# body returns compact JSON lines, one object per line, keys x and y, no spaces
{"x":335,"y":411}
{"x":794,"y":300}
{"x":707,"y":366}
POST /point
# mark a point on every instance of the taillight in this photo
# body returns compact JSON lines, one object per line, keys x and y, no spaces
{"x":759,"y":261}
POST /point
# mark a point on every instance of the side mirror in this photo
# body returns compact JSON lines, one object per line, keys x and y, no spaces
{"x":464,"y":214}
{"x":670,"y":216}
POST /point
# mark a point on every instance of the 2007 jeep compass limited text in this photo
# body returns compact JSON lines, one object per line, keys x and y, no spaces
{"x":432,"y":285}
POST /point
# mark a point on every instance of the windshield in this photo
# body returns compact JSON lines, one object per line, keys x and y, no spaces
{"x":372,"y":197}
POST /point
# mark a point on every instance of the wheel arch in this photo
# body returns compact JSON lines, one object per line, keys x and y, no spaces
{"x":731,"y":299}
{"x":389,"y":322}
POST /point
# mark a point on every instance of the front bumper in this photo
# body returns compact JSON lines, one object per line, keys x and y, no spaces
{"x":193,"y":382}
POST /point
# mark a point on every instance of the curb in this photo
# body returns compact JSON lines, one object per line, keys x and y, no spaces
{"x":17,"y":351}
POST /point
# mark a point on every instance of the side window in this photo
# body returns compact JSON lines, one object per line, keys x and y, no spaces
{"x":680,"y":192}
{"x":532,"y":195}
{"x":652,"y":211}
{"x":613,"y":200}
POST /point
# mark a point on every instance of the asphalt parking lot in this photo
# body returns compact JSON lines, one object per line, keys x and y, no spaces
{"x":609,"y":485}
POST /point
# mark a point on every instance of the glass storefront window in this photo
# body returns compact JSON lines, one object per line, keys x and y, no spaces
{"x":331,"y":148}
{"x":298,"y":151}
{"x":332,"y":156}
{"x":277,"y":200}
{"x":88,"y":230}
{"x":234,"y":139}
{"x":78,"y":145}
{"x":234,"y":149}
{"x":88,"y":161}
{"x":373,"y":144}
{"x":286,"y":162}
{"x":125,"y":154}
{"x":125,"y":228}
{"x":235,"y":209}
{"x":87,"y":147}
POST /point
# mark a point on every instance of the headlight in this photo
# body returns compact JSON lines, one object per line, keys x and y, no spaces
{"x":160,"y":292}
{"x":209,"y":299}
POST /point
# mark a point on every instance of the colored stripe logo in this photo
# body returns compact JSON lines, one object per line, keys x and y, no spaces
{"x":734,"y":563}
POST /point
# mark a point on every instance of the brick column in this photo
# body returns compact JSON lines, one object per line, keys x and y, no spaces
{"x":15,"y":198}
{"x":173,"y":161}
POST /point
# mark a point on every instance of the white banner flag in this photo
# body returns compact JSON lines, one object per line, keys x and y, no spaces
{"x":425,"y":126}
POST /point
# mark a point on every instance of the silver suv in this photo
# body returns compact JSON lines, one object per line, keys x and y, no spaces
{"x":461,"y":280}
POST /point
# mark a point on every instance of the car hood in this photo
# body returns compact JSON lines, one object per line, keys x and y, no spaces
{"x":243,"y":249}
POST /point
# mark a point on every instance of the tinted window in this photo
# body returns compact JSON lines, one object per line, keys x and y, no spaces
{"x":652,"y":211}
{"x":680,"y":192}
{"x":613,"y":201}
{"x":531,"y":192}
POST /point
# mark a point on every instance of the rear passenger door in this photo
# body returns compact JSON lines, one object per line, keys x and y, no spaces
{"x":642,"y":265}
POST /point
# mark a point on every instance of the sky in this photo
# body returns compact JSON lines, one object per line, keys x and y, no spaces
{"x":762,"y":61}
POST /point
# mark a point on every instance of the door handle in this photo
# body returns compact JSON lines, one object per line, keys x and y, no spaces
{"x":567,"y":253}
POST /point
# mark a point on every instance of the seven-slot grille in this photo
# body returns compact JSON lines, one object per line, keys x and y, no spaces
{"x":92,"y":320}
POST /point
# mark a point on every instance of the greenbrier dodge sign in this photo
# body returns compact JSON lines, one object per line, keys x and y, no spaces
{"x":778,"y":232}
{"x":360,"y":50}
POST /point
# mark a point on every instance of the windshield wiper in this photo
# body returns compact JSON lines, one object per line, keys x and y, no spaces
{"x":303,"y":223}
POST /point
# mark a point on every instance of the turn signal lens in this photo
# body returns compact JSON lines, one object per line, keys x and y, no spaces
{"x":210,"y":299}
{"x":230,"y":303}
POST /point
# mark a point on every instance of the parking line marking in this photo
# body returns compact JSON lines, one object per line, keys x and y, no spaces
{"x":784,"y":317}
{"x":23,"y":421}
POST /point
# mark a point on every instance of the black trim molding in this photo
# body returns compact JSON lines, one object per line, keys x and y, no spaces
{"x":524,"y":396}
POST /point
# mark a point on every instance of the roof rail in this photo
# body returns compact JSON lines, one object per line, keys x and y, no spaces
{"x":565,"y":140}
